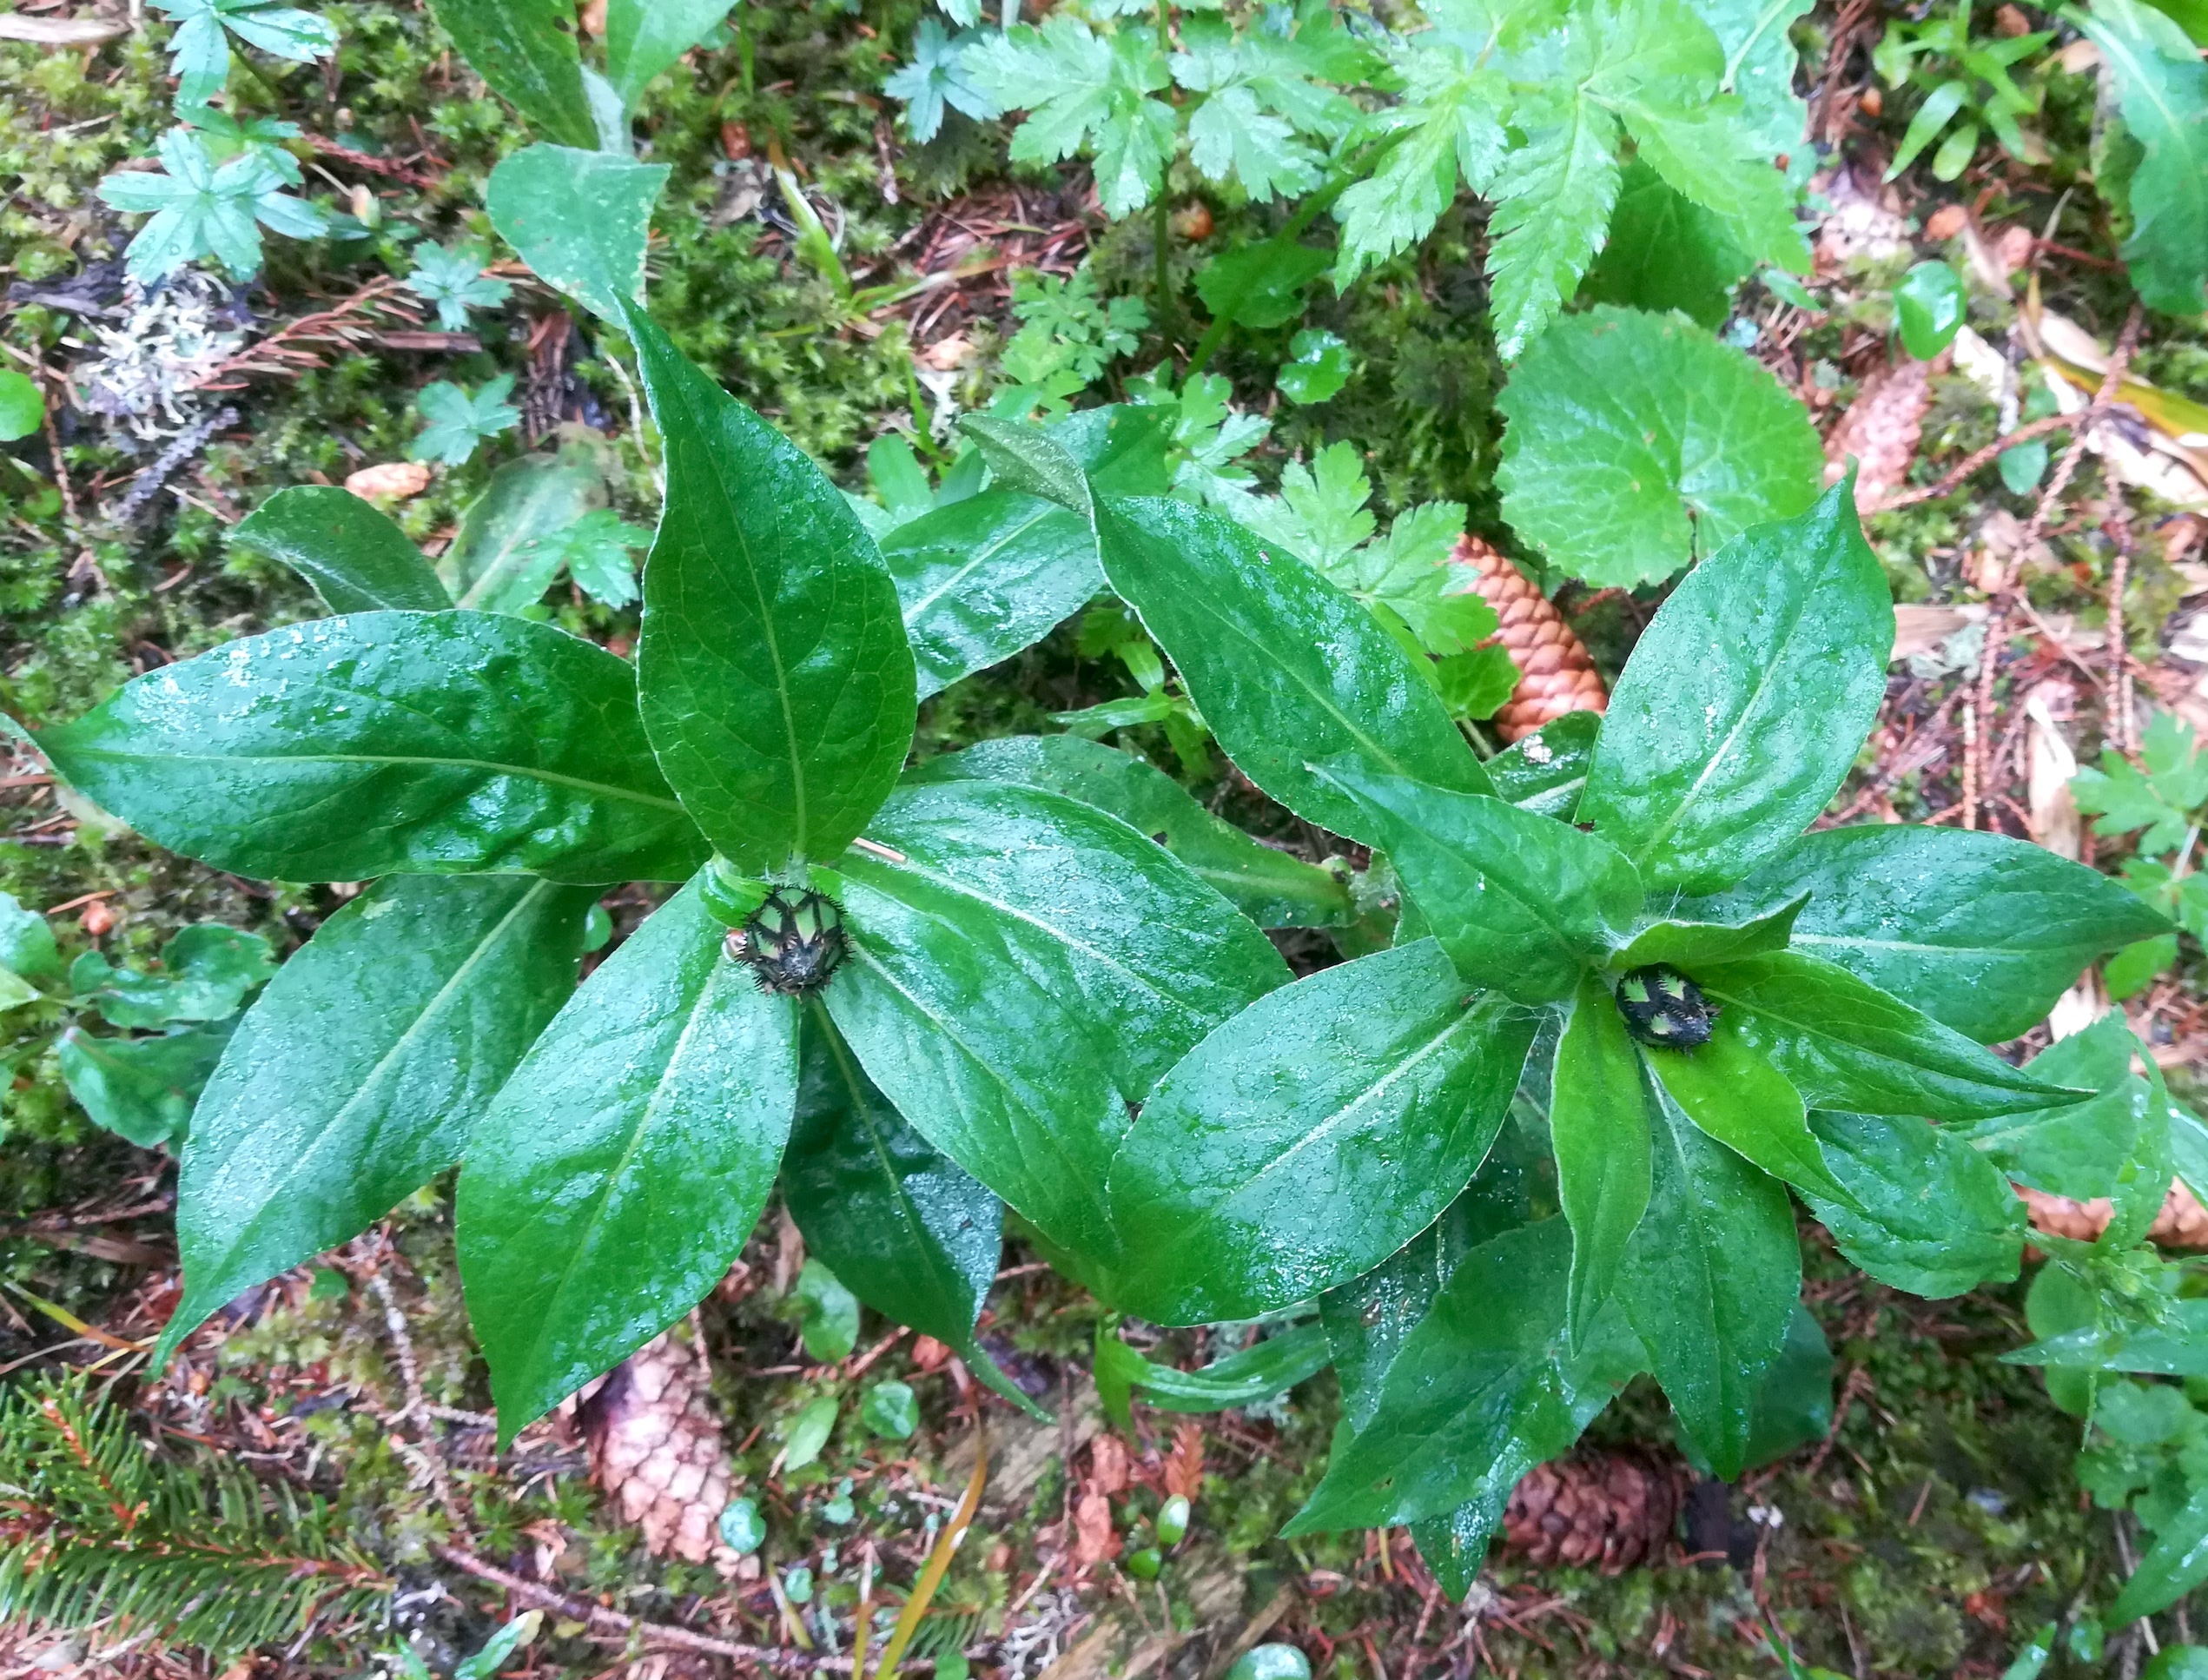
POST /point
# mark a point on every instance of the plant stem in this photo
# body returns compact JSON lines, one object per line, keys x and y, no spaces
{"x":1161,"y":232}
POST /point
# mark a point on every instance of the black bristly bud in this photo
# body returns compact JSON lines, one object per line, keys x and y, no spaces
{"x":1662,"y":1008}
{"x":793,"y":941}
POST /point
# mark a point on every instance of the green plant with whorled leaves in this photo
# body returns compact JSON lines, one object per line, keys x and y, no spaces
{"x":1693,"y":1005}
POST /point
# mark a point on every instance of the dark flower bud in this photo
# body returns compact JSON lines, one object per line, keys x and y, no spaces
{"x":1661,"y":1007}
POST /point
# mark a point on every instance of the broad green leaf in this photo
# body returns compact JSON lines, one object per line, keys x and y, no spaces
{"x":621,"y":1166}
{"x":828,"y":1318}
{"x":424,"y":742}
{"x":1546,"y":771}
{"x":23,"y":406}
{"x":1288,"y":670}
{"x":1636,"y":443}
{"x":1794,"y":1405}
{"x":1261,"y":285}
{"x":1150,"y":957}
{"x":141,"y":1089}
{"x":1979,"y":931}
{"x":358,"y":1075}
{"x":643,"y":37}
{"x":456,"y":421}
{"x":772,"y":670}
{"x":579,"y":219}
{"x":207,"y":971}
{"x":1319,"y":364}
{"x":1687,"y":944}
{"x":1310,"y":1137}
{"x":1480,"y":1392}
{"x":1740,"y":1099}
{"x":1519,"y":902}
{"x":2189,"y":1147}
{"x":2177,"y":1346}
{"x":353,"y":554}
{"x":1759,"y":63}
{"x":501,"y":562}
{"x":526,"y":49}
{"x":1599,"y":1115}
{"x":1665,"y":252}
{"x":1745,"y":701}
{"x":2164,"y":89}
{"x":2174,"y":1564}
{"x":1710,"y":1283}
{"x":1845,"y":1044}
{"x":1931,"y":1216}
{"x":911,"y":1233}
{"x":982,"y":578}
{"x":27,"y":947}
{"x":807,"y":1436}
{"x":1272,"y":888}
{"x":1929,"y":306}
{"x":992,"y":1065}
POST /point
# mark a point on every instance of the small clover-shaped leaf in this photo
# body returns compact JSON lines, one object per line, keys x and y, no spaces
{"x":936,"y":78}
{"x":2161,"y":800}
{"x":455,"y":282}
{"x":458,"y":422}
{"x":1318,"y":366}
{"x":598,"y":551}
{"x":199,"y":209}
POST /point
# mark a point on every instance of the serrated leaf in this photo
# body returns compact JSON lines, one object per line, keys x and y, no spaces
{"x":1552,"y":203}
{"x":1664,"y":252}
{"x":1082,"y":89}
{"x":1635,"y":443}
{"x":457,"y":420}
{"x":1931,"y":1215}
{"x":455,"y":282}
{"x":2164,"y":89}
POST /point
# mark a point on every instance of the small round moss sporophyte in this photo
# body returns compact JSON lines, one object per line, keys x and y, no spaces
{"x":793,"y":941}
{"x":1663,"y":1008}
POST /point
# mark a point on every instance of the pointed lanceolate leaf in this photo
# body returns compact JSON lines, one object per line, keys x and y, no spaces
{"x":358,"y":1074}
{"x":579,"y":219}
{"x":423,"y":743}
{"x":1685,"y":944}
{"x":1739,"y":1098}
{"x":1480,"y":1392}
{"x":1519,"y":902}
{"x":643,"y":37}
{"x":1308,"y":1139}
{"x":353,"y":554}
{"x":983,"y":577}
{"x":1599,"y":1113}
{"x":2173,"y":1565}
{"x":622,"y":1166}
{"x":1710,"y":1283}
{"x":772,"y":669}
{"x":991,"y":1066}
{"x":1979,"y":931}
{"x":1146,"y":954}
{"x":1745,"y":701}
{"x":1845,"y":1044}
{"x":1288,"y":670}
{"x":1271,"y":887}
{"x":1932,"y":1216}
{"x":907,"y":1229}
{"x":526,"y":49}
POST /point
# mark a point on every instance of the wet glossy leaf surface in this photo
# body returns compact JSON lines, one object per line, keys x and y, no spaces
{"x":772,"y":669}
{"x":911,"y":1232}
{"x":1599,"y":1115}
{"x":1979,"y":931}
{"x":580,"y":218}
{"x":982,"y":578}
{"x":1933,"y":1215}
{"x":1709,"y":1284}
{"x":142,"y":1088}
{"x":1735,"y":1093}
{"x":1272,"y":888}
{"x":1095,"y":914}
{"x":353,"y":554}
{"x":620,"y":1168}
{"x":500,"y":562}
{"x":1546,"y":771}
{"x":1286,"y":669}
{"x":1519,"y":902}
{"x":1745,"y":701}
{"x":522,"y":49}
{"x":1687,"y":944}
{"x":1308,"y":1139}
{"x":443,"y":742}
{"x":358,"y":1075}
{"x":1844,"y":1044}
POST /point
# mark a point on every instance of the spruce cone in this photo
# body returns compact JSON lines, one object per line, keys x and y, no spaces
{"x":1611,"y":1509}
{"x":656,"y":1449}
{"x":1880,"y":430}
{"x":1554,"y":674}
{"x":2182,"y":1224}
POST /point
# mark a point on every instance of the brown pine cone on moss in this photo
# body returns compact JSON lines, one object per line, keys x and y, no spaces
{"x":1610,"y":1511}
{"x":656,"y":1449}
{"x":2182,"y":1224}
{"x":1555,"y":673}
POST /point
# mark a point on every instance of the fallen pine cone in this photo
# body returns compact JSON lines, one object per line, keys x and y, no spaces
{"x":2182,"y":1224}
{"x":1611,"y":1510}
{"x":656,"y":1449}
{"x":1882,"y":429}
{"x":1555,"y":673}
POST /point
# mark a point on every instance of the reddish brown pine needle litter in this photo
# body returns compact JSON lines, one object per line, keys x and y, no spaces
{"x":1556,"y":674}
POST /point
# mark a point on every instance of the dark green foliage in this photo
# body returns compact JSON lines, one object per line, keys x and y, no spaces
{"x":95,"y":1528}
